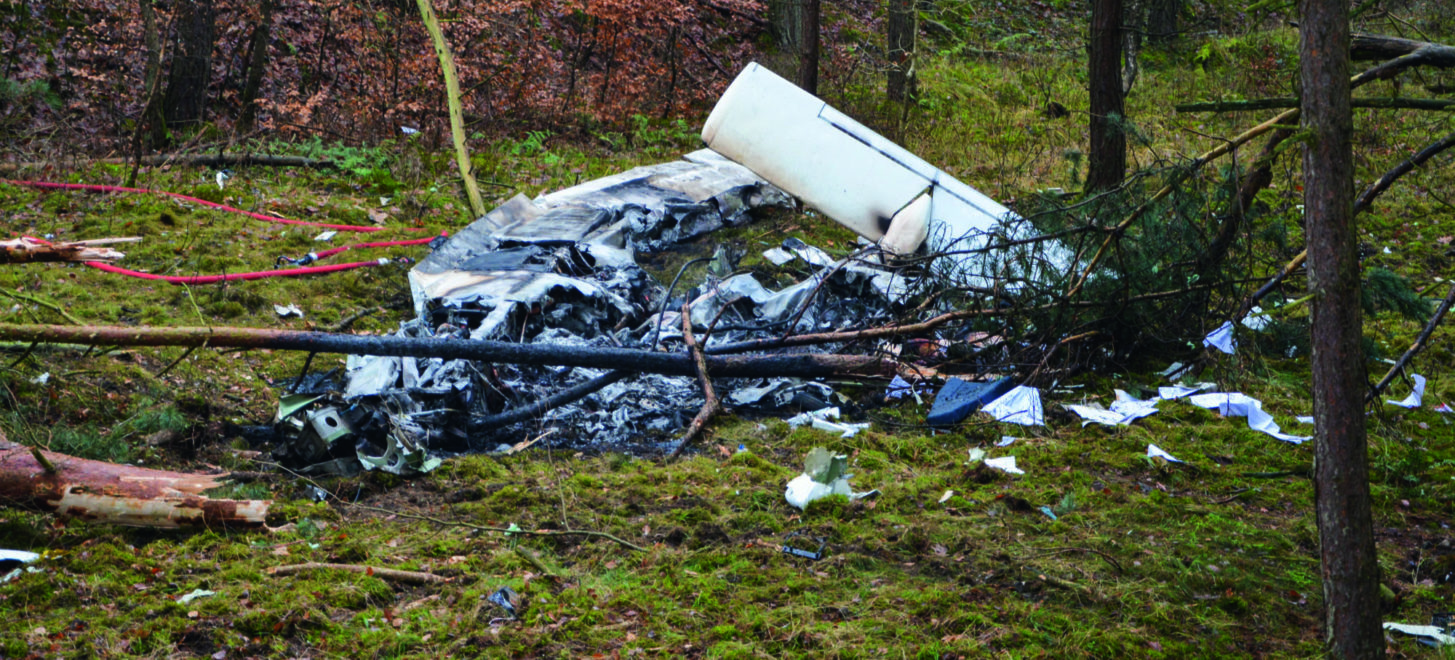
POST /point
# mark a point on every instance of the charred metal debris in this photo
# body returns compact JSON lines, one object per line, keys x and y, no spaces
{"x":561,"y":269}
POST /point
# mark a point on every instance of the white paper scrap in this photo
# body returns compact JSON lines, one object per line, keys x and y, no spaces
{"x":831,"y":412}
{"x":1256,"y":320}
{"x":194,"y":595}
{"x":1305,"y":419}
{"x":1429,"y":632}
{"x":1179,"y":391}
{"x":1021,"y":405}
{"x":328,"y":235}
{"x":1153,"y":451}
{"x":1132,"y":407}
{"x":1095,"y":415}
{"x":1415,"y":398}
{"x":1444,"y":408}
{"x":1004,"y":464}
{"x":1005,"y":441}
{"x":844,"y":430}
{"x":1237,"y":404}
{"x":946,"y":497}
{"x":1222,"y":338}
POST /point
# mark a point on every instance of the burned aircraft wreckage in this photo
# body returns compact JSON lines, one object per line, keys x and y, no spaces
{"x":561,"y":269}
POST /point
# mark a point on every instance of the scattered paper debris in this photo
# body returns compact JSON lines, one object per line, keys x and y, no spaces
{"x":286,"y":311}
{"x":1179,"y":391}
{"x":1005,"y":441}
{"x":1222,"y":338}
{"x":1004,"y":464}
{"x":1432,"y":633}
{"x":1153,"y":451}
{"x":1415,"y":397}
{"x":1237,"y":404}
{"x":42,"y":379}
{"x":1021,"y":405}
{"x":1256,"y":320}
{"x":946,"y":497}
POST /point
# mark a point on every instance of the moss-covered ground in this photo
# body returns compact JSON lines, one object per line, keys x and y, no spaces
{"x":1213,"y":558}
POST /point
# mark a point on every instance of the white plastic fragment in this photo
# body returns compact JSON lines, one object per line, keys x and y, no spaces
{"x":194,"y":595}
{"x":1004,"y":464}
{"x":22,"y":556}
{"x":844,"y":429}
{"x":1305,"y":419}
{"x":946,"y":497}
{"x":819,"y":419}
{"x":1222,"y":338}
{"x":328,"y":235}
{"x":1021,"y":405}
{"x":1444,"y":408}
{"x":778,"y":256}
{"x":1153,"y":451}
{"x":1237,"y":404}
{"x":1415,"y":397}
{"x":824,"y":474}
{"x":1433,"y":633}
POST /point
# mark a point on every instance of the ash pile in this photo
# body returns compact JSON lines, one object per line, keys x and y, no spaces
{"x":562,"y":269}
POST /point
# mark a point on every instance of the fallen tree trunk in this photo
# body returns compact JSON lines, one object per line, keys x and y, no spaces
{"x":225,"y":160}
{"x":103,"y":492}
{"x":802,"y":365}
{"x":29,"y":250}
{"x":1291,"y":102}
{"x":1381,"y":47}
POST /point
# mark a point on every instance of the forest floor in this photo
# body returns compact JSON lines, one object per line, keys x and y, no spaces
{"x":1215,"y":557}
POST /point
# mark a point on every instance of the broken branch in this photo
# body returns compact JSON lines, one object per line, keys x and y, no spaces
{"x":1414,"y":349}
{"x":121,"y":494}
{"x":29,"y":251}
{"x":393,"y":574}
{"x":1292,"y":102}
{"x":710,"y":405}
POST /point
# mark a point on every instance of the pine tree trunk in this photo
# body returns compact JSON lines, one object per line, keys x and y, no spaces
{"x":1341,"y":473}
{"x":186,"y":98}
{"x":808,"y":56}
{"x":1107,"y":162}
{"x":901,"y":27}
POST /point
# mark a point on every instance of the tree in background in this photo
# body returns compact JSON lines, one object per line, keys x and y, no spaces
{"x":185,"y":101}
{"x":808,"y":54}
{"x":1341,"y":460}
{"x":1107,"y":163}
{"x":901,"y":28}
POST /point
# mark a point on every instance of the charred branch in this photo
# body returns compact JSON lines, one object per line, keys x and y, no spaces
{"x":676,"y":364}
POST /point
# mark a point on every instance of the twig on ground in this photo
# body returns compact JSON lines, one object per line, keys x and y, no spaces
{"x":396,"y":575}
{"x":502,"y":530}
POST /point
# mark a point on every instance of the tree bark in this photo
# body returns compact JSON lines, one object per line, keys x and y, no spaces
{"x":901,"y":27}
{"x":1162,"y":20}
{"x":1107,"y":162}
{"x":258,"y":65}
{"x":103,"y":492}
{"x":785,"y":22}
{"x":808,"y":54}
{"x":185,"y":102}
{"x":1341,"y":472}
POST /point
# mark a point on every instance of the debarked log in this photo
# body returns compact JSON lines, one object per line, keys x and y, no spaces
{"x":801,"y":365}
{"x":98,"y":491}
{"x":29,"y":250}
